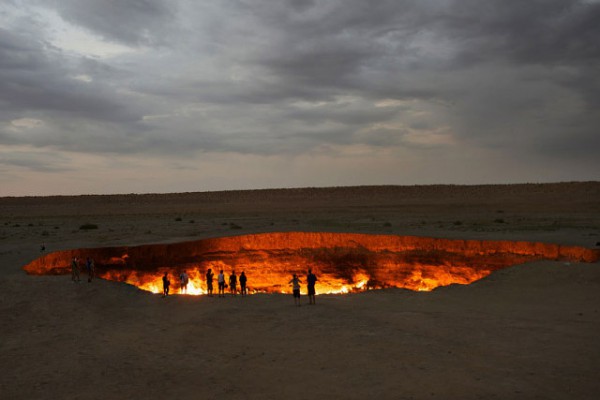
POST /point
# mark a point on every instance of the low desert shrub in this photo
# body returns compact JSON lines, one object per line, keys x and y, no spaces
{"x":86,"y":227}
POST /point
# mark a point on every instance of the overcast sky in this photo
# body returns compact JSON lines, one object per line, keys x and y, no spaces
{"x":167,"y":96}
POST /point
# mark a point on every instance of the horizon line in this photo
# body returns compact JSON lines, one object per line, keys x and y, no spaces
{"x":301,"y":188}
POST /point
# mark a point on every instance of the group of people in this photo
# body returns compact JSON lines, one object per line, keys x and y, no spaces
{"x":233,"y":281}
{"x":311,"y":280}
{"x":75,"y":268}
{"x":184,"y":279}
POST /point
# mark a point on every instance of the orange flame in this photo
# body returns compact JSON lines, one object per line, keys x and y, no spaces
{"x":344,"y":263}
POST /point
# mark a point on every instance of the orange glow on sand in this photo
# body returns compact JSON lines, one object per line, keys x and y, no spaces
{"x":343,"y":262}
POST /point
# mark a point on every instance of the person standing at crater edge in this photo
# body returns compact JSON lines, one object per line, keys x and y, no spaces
{"x":75,"y":270}
{"x":166,"y":284}
{"x":233,"y":283}
{"x":221,"y":283}
{"x":311,"y":279}
{"x":243,"y":280}
{"x":209,"y":282}
{"x":91,"y":269}
{"x":296,"y":289}
{"x":185,"y":279}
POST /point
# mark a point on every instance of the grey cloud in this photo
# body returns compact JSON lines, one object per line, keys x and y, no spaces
{"x":335,"y":45}
{"x":329,"y":63}
{"x":489,"y":72}
{"x":359,"y":40}
{"x":35,"y":78}
{"x":302,"y":5}
{"x":133,"y":22}
{"x":555,"y":31}
{"x":35,"y":161}
{"x":349,"y":115}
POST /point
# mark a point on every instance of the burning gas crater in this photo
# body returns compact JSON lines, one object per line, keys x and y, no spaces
{"x":344,"y":262}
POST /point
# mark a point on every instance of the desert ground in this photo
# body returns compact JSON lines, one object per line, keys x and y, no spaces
{"x":526,"y":332}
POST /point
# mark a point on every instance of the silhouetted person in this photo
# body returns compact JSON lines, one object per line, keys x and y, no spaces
{"x":311,"y":279}
{"x":166,"y":284}
{"x":221,"y":283}
{"x":209,"y":282}
{"x":42,"y":247}
{"x":233,"y":283}
{"x":296,"y":289}
{"x":91,"y":269}
{"x":184,"y":280}
{"x":243,"y":280}
{"x":75,"y":270}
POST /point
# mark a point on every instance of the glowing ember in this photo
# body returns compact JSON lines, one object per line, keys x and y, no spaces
{"x":344,"y":263}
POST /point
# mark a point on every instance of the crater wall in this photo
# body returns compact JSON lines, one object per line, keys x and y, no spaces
{"x":343,"y":261}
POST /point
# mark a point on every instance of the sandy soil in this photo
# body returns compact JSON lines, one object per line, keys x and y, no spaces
{"x":529,"y":331}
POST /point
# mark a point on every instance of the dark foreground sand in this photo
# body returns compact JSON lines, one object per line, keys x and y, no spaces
{"x":526,"y":332}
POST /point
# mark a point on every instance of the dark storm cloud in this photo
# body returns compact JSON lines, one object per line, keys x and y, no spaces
{"x":548,"y":31}
{"x":39,"y":83}
{"x":431,"y":50}
{"x":333,"y":44}
{"x":285,"y":77}
{"x":501,"y":66}
{"x":34,"y":77}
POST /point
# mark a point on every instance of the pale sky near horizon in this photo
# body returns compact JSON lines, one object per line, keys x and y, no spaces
{"x":177,"y":96}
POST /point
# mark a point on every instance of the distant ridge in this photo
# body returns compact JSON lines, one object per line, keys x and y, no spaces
{"x":338,"y":189}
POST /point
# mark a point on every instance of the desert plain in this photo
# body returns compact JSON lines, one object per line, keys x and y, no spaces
{"x":525,"y":332}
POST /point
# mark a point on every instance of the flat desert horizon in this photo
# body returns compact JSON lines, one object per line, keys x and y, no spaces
{"x":523,"y":332}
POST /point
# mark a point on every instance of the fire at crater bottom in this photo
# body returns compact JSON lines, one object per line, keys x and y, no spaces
{"x":343,"y":262}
